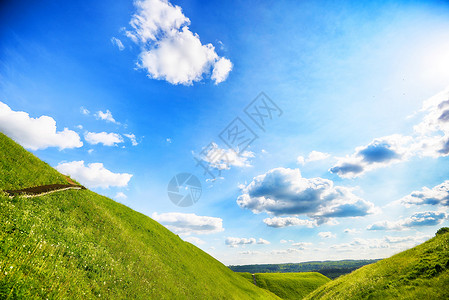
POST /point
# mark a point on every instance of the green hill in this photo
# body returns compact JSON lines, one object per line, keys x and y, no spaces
{"x":80,"y":245}
{"x":288,"y":285}
{"x":418,"y":273}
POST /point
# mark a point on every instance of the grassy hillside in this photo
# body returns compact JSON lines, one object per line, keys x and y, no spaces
{"x":80,"y":245}
{"x":21,"y":169}
{"x":289,"y":285}
{"x":419,"y":273}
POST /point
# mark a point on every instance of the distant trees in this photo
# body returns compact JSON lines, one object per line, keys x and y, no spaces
{"x":442,"y":230}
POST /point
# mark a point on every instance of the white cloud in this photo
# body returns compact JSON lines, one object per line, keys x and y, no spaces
{"x":235,"y":241}
{"x":351,"y":231}
{"x":107,"y":139}
{"x":301,"y":245}
{"x":187,"y":224}
{"x":194,"y":240}
{"x":283,"y":191}
{"x":170,"y":51}
{"x":120,"y":196}
{"x":35,"y":133}
{"x":326,"y":235}
{"x":223,"y":159}
{"x":248,"y":252}
{"x":93,"y":175}
{"x":438,"y":195}
{"x":221,"y":70}
{"x":168,"y":140}
{"x":285,"y":251}
{"x":106,"y":116}
{"x":133,"y":139}
{"x":300,"y":160}
{"x":430,"y":138}
{"x":84,"y":111}
{"x":279,"y":222}
{"x":115,"y":41}
{"x":427,"y":218}
{"x":316,"y":155}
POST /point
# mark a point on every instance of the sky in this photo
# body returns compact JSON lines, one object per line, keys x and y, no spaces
{"x":262,"y":132}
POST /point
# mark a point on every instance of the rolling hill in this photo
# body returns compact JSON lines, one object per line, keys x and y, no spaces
{"x":78,"y":244}
{"x":418,"y":273}
{"x":288,"y":285}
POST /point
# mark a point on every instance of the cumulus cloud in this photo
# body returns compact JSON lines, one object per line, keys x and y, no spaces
{"x":93,"y":175}
{"x":106,"y":116}
{"x":380,"y":152}
{"x":313,"y":156}
{"x":438,"y":195}
{"x":279,"y":222}
{"x":283,"y":191}
{"x":170,"y":51}
{"x":36,"y":133}
{"x":120,"y":196}
{"x":430,"y":138}
{"x":107,"y":139}
{"x":223,"y":159}
{"x":235,"y":241}
{"x":132,"y":138}
{"x":187,"y":224}
{"x":428,"y":218}
{"x":117,"y":42}
{"x":84,"y":110}
{"x":326,"y":235}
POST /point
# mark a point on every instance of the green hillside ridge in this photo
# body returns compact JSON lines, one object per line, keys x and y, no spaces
{"x":418,"y":273}
{"x":288,"y":285}
{"x":80,"y":245}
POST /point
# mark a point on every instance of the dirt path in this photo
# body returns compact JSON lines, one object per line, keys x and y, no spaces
{"x":44,"y":190}
{"x":254,"y":278}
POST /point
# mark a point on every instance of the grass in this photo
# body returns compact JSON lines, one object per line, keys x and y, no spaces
{"x":289,"y":285}
{"x":20,"y":169}
{"x":78,"y":244}
{"x":418,"y":273}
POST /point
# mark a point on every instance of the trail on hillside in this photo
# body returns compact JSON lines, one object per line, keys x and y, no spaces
{"x":254,"y":278}
{"x":41,"y":190}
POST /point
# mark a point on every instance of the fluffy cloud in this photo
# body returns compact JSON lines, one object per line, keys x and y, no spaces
{"x":326,"y":235}
{"x":35,"y":133}
{"x":132,"y":138}
{"x":170,"y":51}
{"x":380,"y":152}
{"x":313,"y":156}
{"x":301,"y":245}
{"x":107,"y":139}
{"x":187,"y":224}
{"x":106,"y":116}
{"x":120,"y":196}
{"x":391,"y":242}
{"x":428,"y":218}
{"x":224,"y":159}
{"x":235,"y":241}
{"x":115,"y":41}
{"x":93,"y":175}
{"x":283,"y":191}
{"x":438,"y":195}
{"x":279,"y":222}
{"x":430,"y":138}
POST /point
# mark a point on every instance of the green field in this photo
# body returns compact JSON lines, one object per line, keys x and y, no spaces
{"x":418,"y":273}
{"x":330,"y":269}
{"x":288,"y":285}
{"x":80,"y":245}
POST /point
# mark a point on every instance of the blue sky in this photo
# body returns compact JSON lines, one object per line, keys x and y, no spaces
{"x":144,"y":86}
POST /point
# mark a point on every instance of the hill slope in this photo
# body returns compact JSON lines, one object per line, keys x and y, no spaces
{"x":78,"y":244}
{"x":289,"y":285}
{"x":418,"y":273}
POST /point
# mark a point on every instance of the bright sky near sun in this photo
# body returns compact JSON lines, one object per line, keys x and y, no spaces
{"x":351,"y":160}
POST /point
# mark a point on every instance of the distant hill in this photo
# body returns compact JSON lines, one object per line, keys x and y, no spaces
{"x":418,"y":273}
{"x":288,"y":285}
{"x":80,"y":245}
{"x":331,"y":269}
